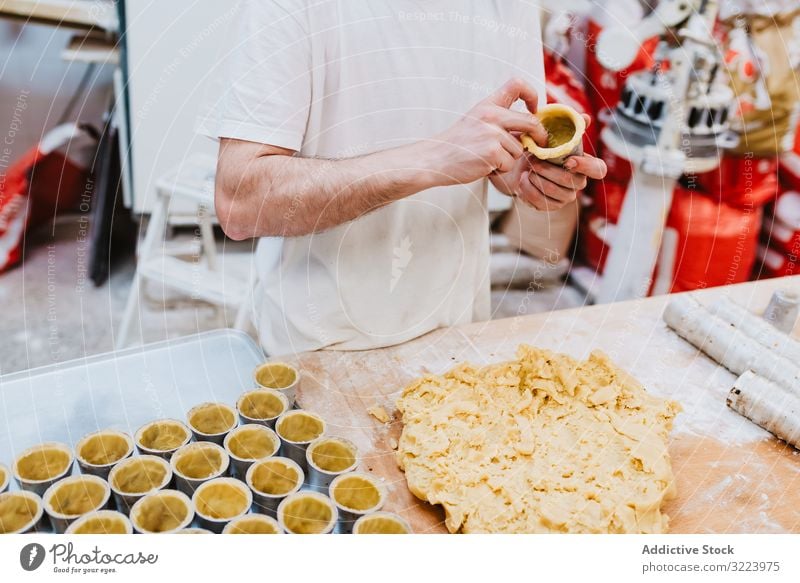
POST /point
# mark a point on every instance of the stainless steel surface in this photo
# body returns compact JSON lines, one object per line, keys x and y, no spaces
{"x":123,"y":390}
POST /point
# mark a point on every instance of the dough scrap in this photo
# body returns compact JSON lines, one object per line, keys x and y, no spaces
{"x":541,"y":444}
{"x":379,"y":413}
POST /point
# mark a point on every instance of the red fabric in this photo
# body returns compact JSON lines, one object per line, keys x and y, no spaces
{"x":564,"y":87}
{"x":592,"y":247}
{"x":35,"y":189}
{"x":57,"y":185}
{"x":603,"y":87}
{"x":716,"y":242}
{"x":741,"y":181}
{"x":607,"y":197}
{"x":619,"y":169}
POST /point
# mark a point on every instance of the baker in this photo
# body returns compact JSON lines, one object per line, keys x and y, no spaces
{"x":357,"y":140}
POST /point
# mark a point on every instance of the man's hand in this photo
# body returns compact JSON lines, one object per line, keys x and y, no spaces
{"x":267,"y":191}
{"x":547,"y":186}
{"x":486,"y":139}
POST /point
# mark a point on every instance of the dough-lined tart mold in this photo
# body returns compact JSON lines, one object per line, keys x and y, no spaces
{"x":70,"y":498}
{"x":249,"y":443}
{"x":211,"y":421}
{"x":39,"y":467}
{"x":328,"y":457}
{"x":219,"y":501}
{"x":307,"y":513}
{"x":101,"y":522}
{"x":136,"y":477}
{"x":278,"y":376}
{"x":197,"y":463}
{"x":165,"y":511}
{"x":253,"y":524}
{"x":262,"y":406}
{"x":297,"y":429}
{"x":356,"y":494}
{"x":565,"y":128}
{"x":162,"y":437}
{"x":20,"y":512}
{"x":381,"y":523}
{"x":98,"y":452}
{"x":5,"y":478}
{"x":540,"y":444}
{"x":273,"y":479}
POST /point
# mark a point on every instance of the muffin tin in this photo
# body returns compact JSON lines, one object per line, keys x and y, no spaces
{"x":241,"y":476}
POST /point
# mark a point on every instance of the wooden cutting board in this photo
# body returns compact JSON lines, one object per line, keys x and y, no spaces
{"x":732,"y":477}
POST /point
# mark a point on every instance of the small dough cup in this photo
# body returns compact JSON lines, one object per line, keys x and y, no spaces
{"x":134,"y":478}
{"x":197,"y":463}
{"x":220,"y":501}
{"x":193,"y":530}
{"x":565,"y":128}
{"x":5,"y":478}
{"x":355,"y":495}
{"x":98,"y":452}
{"x":20,"y":512}
{"x":279,"y":376}
{"x":271,"y":480}
{"x":262,"y":407}
{"x":69,"y":499}
{"x":39,"y":467}
{"x":166,"y":511}
{"x":211,"y":421}
{"x":381,"y":523}
{"x":101,"y":522}
{"x":162,"y":437}
{"x":328,"y":457}
{"x":249,"y":443}
{"x":253,"y":524}
{"x":307,"y":513}
{"x":297,"y":429}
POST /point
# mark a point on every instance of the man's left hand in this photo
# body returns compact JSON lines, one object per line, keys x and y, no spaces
{"x":547,"y":186}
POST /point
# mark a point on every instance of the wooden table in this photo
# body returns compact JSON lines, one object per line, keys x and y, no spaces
{"x":731,"y":475}
{"x":84,"y":15}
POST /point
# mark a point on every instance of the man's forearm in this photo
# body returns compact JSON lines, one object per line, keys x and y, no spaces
{"x":281,"y":195}
{"x":263,"y":190}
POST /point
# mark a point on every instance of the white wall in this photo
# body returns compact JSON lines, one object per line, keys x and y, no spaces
{"x":172,"y":48}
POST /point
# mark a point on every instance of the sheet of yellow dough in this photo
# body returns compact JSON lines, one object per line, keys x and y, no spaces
{"x":542,"y":444}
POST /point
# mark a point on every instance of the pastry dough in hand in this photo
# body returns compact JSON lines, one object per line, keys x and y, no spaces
{"x":543,"y":443}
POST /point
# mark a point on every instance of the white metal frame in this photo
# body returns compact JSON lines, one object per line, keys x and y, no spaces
{"x":200,"y":280}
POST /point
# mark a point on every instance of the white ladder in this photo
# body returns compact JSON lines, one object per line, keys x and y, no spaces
{"x":193,"y":183}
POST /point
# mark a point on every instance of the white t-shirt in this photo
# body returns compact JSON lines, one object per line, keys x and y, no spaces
{"x":341,"y":78}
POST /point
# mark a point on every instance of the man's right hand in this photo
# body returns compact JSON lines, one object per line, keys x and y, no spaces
{"x":486,"y":139}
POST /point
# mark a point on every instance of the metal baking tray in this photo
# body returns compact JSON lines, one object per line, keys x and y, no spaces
{"x":123,"y":390}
